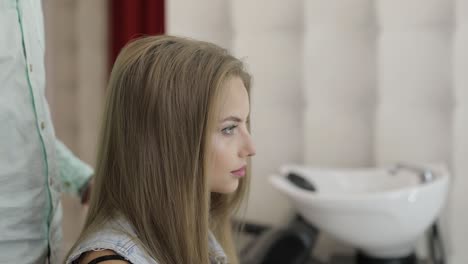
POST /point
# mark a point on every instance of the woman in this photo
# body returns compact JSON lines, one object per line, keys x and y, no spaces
{"x":172,"y":163}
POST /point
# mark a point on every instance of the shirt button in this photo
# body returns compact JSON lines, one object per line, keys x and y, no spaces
{"x":30,"y":67}
{"x":42,"y":125}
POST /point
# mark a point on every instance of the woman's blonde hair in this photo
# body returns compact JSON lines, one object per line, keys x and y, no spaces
{"x":150,"y":163}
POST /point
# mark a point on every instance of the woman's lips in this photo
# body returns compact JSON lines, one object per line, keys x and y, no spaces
{"x":239,"y":173}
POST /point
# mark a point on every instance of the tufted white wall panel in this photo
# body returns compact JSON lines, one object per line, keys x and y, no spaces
{"x":266,"y":15}
{"x":268,"y":35}
{"x":414,"y":113}
{"x":208,"y":20}
{"x":339,"y":82}
{"x":459,"y":197}
{"x":404,"y":14}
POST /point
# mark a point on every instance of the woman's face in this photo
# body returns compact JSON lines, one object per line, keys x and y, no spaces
{"x":229,"y":142}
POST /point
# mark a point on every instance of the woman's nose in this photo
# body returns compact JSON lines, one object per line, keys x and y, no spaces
{"x":248,"y":149}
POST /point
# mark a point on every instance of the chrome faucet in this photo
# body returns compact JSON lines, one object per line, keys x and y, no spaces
{"x":425,"y":174}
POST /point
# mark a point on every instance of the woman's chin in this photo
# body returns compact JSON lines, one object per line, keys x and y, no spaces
{"x":228,"y":187}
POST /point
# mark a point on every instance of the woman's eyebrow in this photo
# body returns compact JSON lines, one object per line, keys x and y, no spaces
{"x":231,"y":118}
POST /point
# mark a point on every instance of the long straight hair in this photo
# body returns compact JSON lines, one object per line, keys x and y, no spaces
{"x":150,"y":162}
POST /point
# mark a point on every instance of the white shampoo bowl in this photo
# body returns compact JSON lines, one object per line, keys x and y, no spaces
{"x":380,"y":213}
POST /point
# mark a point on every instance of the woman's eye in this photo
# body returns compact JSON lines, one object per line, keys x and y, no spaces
{"x":229,"y":130}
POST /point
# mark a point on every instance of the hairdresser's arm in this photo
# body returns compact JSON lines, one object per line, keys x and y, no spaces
{"x":74,"y":173}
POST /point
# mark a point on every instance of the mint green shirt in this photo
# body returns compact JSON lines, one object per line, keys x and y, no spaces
{"x":34,"y":166}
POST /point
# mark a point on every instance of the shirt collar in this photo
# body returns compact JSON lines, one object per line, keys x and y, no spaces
{"x":217,"y":254}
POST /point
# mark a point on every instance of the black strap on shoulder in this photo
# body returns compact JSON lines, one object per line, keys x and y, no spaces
{"x":106,"y":258}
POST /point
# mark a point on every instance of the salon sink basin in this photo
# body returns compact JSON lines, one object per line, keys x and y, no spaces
{"x":376,"y":210}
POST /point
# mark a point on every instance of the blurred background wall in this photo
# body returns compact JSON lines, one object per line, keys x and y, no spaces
{"x":77,"y":69}
{"x":336,"y":83}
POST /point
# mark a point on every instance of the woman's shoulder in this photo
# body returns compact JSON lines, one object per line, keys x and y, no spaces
{"x":116,"y":236}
